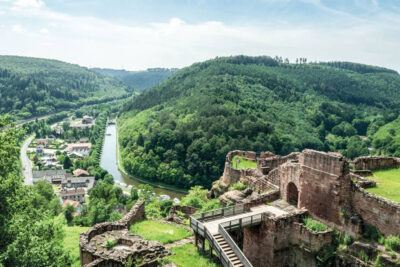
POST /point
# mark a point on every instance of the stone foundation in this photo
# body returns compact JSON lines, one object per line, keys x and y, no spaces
{"x":93,"y":243}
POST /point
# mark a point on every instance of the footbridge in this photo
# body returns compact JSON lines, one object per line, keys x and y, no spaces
{"x":214,"y":226}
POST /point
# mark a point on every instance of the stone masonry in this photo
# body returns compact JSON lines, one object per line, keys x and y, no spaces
{"x":128,"y":247}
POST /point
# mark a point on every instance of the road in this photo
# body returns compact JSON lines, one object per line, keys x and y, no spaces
{"x":26,"y":162}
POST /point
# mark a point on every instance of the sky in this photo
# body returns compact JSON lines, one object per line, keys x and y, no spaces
{"x":140,"y":34}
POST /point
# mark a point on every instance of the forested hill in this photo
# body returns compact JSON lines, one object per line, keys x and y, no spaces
{"x":32,"y":86}
{"x":139,"y":80}
{"x":180,"y":131}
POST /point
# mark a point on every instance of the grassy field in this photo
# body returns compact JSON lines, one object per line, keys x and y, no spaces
{"x":387,"y":184}
{"x":243,"y":164}
{"x":162,"y":232}
{"x":188,"y":256}
{"x":71,"y":242}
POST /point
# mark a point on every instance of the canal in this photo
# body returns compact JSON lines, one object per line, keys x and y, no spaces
{"x":109,"y":163}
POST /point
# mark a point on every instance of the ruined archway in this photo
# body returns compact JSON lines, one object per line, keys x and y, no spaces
{"x":292,"y":194}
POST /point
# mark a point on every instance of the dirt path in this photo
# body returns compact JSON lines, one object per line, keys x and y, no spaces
{"x":181,"y":242}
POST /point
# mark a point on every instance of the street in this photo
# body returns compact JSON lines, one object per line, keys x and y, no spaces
{"x":26,"y":163}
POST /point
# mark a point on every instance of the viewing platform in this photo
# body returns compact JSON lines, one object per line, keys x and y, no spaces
{"x":214,"y":226}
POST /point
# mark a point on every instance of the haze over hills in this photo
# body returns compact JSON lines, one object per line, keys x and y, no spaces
{"x":180,"y":131}
{"x":139,"y":80}
{"x":33,"y":86}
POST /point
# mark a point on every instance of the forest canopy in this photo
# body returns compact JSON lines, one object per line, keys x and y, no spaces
{"x":31,"y":86}
{"x":180,"y":131}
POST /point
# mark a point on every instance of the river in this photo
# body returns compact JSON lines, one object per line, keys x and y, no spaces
{"x":109,"y":163}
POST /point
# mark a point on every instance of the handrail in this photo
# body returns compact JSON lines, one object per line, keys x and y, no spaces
{"x":238,"y":252}
{"x":198,"y":227}
{"x":227,"y":211}
{"x":242,"y":222}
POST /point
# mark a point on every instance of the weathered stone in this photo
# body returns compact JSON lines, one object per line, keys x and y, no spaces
{"x":93,"y":250}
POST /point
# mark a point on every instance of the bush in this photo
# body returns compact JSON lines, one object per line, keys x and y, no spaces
{"x":372,"y":233}
{"x":110,"y":243}
{"x":393,"y":243}
{"x":363,"y":256}
{"x":347,"y":240}
{"x":239,"y":186}
{"x":314,"y":225}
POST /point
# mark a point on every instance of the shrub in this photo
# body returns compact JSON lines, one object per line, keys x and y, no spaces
{"x":393,"y":243}
{"x":392,"y":255}
{"x":363,"y":256}
{"x":110,"y":242}
{"x":347,"y":240}
{"x":314,"y":225}
{"x":239,"y":186}
{"x":372,"y":233}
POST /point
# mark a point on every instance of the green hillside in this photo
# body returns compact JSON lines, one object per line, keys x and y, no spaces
{"x":180,"y":131}
{"x":33,"y":86}
{"x":139,"y":80}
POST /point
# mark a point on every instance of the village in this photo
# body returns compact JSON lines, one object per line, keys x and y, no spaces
{"x":53,"y":158}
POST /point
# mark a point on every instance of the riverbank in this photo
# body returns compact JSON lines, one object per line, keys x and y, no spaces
{"x":154,"y":184}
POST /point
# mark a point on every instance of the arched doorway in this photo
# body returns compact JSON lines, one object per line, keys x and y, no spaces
{"x":292,"y":194}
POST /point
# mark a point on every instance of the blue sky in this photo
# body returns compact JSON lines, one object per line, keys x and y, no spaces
{"x":138,"y":34}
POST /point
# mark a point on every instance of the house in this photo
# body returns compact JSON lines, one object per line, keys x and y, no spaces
{"x":84,"y":140}
{"x":51,"y":176}
{"x":77,"y":182}
{"x":87,"y":120}
{"x":40,"y":151}
{"x":51,"y":138}
{"x":80,"y":172}
{"x":42,"y":142}
{"x":75,"y":204}
{"x":81,"y":148}
{"x":74,"y":194}
{"x":75,"y":155}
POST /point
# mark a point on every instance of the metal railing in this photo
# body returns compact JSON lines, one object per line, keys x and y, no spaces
{"x":224,"y":212}
{"x":232,"y":244}
{"x":243,"y":222}
{"x":199,"y":228}
{"x":223,"y":228}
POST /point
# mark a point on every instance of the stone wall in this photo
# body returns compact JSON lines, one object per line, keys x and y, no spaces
{"x":89,"y":254}
{"x":273,"y":177}
{"x":187,"y":210}
{"x":377,"y":211}
{"x":262,"y":199}
{"x":275,"y":161}
{"x":325,"y":186}
{"x":375,"y":162}
{"x":362,"y":181}
{"x":266,"y":244}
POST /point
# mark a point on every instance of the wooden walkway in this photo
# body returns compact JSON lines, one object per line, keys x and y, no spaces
{"x":214,"y":226}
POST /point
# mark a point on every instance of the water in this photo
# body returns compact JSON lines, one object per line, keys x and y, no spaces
{"x":109,"y":163}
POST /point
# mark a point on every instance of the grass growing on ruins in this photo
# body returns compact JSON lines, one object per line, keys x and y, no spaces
{"x":157,"y":231}
{"x":189,"y":256}
{"x":315,"y":225}
{"x":387,"y":184}
{"x":71,"y":242}
{"x":239,"y":162}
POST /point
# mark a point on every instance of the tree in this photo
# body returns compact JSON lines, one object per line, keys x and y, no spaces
{"x":68,"y":213}
{"x":67,"y":163}
{"x":28,"y":234}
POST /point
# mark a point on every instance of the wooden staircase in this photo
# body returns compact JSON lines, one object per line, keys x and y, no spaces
{"x":228,"y":250}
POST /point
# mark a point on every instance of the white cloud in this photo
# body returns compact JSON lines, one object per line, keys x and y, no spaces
{"x":91,"y":41}
{"x":17,"y":28}
{"x":29,"y":3}
{"x":44,"y":31}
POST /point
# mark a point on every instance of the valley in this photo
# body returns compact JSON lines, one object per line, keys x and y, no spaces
{"x":169,"y":158}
